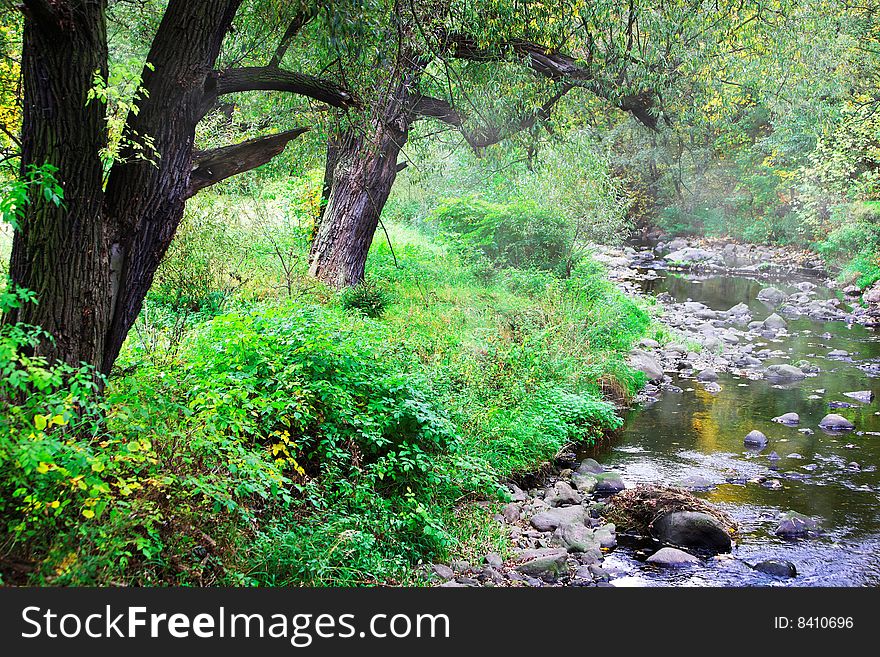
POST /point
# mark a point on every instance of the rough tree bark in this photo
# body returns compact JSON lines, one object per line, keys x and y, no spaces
{"x":92,"y":261}
{"x":62,"y":253}
{"x":361,"y":180}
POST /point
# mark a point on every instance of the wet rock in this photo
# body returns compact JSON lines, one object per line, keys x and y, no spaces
{"x":771,"y":295}
{"x":691,"y":255}
{"x":599,"y":575}
{"x":775,"y":322}
{"x":707,"y":374}
{"x":606,"y":535}
{"x":834,"y":422}
{"x":864,"y":396}
{"x":776,"y":568}
{"x":787,"y":418}
{"x":590,"y":466}
{"x":772,"y":484}
{"x":712,"y":387}
{"x":646,"y":363}
{"x":739,"y":310}
{"x":547,"y":521}
{"x":579,"y":538}
{"x":546,"y":563}
{"x":838,"y":353}
{"x":609,"y":483}
{"x":669,"y":557}
{"x":696,"y":482}
{"x":755,"y":438}
{"x":783,"y":373}
{"x":691,"y":529}
{"x":794,"y":525}
{"x":585,"y":483}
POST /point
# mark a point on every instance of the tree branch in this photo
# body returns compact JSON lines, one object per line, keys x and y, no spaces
{"x":272,"y":78}
{"x":426,"y":106}
{"x":293,"y":29}
{"x":210,"y":167}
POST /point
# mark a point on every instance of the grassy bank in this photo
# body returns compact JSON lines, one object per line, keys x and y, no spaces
{"x":262,"y":430}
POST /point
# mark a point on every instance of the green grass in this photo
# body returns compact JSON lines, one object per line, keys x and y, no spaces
{"x":296,"y":441}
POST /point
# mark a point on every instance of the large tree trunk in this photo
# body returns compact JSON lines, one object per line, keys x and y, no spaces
{"x":364,"y":172}
{"x":62,"y":253}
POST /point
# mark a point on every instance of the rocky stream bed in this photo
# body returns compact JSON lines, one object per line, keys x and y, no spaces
{"x":748,"y":459}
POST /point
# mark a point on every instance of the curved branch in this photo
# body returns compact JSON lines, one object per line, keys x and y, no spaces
{"x":272,"y":78}
{"x":210,"y":167}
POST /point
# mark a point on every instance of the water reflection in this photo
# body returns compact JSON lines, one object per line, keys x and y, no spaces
{"x":697,"y":433}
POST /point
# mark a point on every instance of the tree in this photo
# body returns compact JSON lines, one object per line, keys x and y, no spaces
{"x":91,"y":260}
{"x":362,"y":161}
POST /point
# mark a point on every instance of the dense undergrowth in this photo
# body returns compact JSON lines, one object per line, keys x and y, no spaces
{"x":262,"y":430}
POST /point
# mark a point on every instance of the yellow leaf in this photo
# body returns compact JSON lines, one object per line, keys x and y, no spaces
{"x":40,"y":422}
{"x":88,"y":513}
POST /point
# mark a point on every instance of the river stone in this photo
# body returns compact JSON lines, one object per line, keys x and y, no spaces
{"x":872,"y":295}
{"x":542,"y":562}
{"x":648,"y":343}
{"x":670,"y":557}
{"x":775,"y":322}
{"x":835,"y":422}
{"x":788,"y":418}
{"x":691,"y":529}
{"x":771,"y":295}
{"x":493,"y":559}
{"x":756,"y":438}
{"x":646,"y":363}
{"x":585,"y":483}
{"x":547,"y":521}
{"x":707,"y":374}
{"x":690,"y":255}
{"x":739,"y":310}
{"x":793,"y":524}
{"x":609,"y":483}
{"x":838,"y":353}
{"x":864,"y":396}
{"x":562,"y":494}
{"x":777,"y":568}
{"x":782,"y":372}
{"x":579,"y":538}
{"x":696,"y":482}
{"x":590,"y":466}
{"x":517,"y":494}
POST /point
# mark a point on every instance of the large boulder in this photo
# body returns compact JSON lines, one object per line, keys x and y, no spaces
{"x":646,"y":363}
{"x":670,"y":557}
{"x":609,"y":483}
{"x":590,"y":466}
{"x":692,"y":530}
{"x":785,"y":373}
{"x":777,"y":568}
{"x":835,"y":422}
{"x":547,"y":521}
{"x":775,"y":322}
{"x":771,"y":295}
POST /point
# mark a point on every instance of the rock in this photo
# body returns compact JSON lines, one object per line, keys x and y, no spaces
{"x":788,"y":418}
{"x":562,"y":494}
{"x":546,"y":563}
{"x":739,"y":310}
{"x":461,"y":566}
{"x":864,"y":396}
{"x":579,"y":538}
{"x":609,"y":483}
{"x":755,"y":438}
{"x":511,"y":512}
{"x":771,"y":295}
{"x":793,"y":525}
{"x":834,"y":422}
{"x":691,"y":255}
{"x":590,"y":466}
{"x":691,"y":529}
{"x":517,"y":494}
{"x":696,"y":482}
{"x":772,"y":484}
{"x":648,"y":343}
{"x":775,"y":322}
{"x":777,"y":568}
{"x":707,"y":374}
{"x":442,"y":571}
{"x":585,"y":483}
{"x":547,"y":521}
{"x":838,"y":353}
{"x":872,"y":295}
{"x":646,"y":363}
{"x":599,"y":574}
{"x":493,"y":559}
{"x":606,"y":536}
{"x":785,"y":373}
{"x":669,"y":557}
{"x":712,"y":387}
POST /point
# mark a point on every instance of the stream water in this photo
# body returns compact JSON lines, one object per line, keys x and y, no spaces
{"x":698,"y":433}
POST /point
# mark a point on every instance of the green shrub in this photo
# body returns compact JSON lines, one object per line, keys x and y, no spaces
{"x":366,"y":298}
